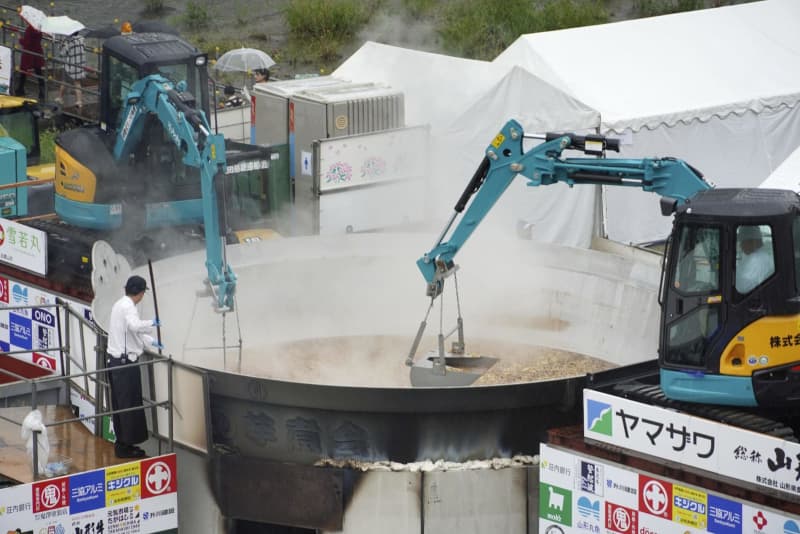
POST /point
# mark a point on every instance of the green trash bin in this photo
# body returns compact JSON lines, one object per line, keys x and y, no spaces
{"x":257,"y":196}
{"x":279,"y":189}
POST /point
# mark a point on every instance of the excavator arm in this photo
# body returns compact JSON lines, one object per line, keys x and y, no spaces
{"x":189,"y":130}
{"x":505,"y":158}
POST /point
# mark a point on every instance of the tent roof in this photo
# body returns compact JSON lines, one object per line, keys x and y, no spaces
{"x":536,"y":104}
{"x":701,"y":64}
{"x":437,"y":87}
{"x":455,"y":93}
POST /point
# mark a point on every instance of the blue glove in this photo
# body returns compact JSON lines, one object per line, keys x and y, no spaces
{"x":157,"y":345}
{"x":156,"y":322}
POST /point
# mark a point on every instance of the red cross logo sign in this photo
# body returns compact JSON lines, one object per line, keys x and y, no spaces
{"x":158,"y":477}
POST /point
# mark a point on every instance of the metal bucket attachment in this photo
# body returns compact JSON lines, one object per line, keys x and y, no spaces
{"x":436,"y":370}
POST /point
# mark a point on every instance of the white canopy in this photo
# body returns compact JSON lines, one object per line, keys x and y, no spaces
{"x":552,"y":214}
{"x":466,"y":102}
{"x":685,"y":67}
{"x":787,"y":175}
{"x":436,"y":87}
{"x":716,"y":87}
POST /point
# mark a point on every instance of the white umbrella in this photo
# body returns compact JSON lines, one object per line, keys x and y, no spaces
{"x":31,"y":15}
{"x":60,"y":25}
{"x":243,"y":60}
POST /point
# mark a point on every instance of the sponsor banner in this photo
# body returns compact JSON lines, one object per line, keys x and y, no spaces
{"x":655,"y":497}
{"x":555,"y":504}
{"x":20,"y":331}
{"x":36,"y":329}
{"x":23,"y":247}
{"x":673,"y":436}
{"x":724,"y":515}
{"x":4,"y":296}
{"x":80,"y":503}
{"x":584,"y":494}
{"x":123,"y":483}
{"x":622,"y":486}
{"x":20,"y":296}
{"x":45,"y":361}
{"x":621,"y":519}
{"x":689,"y":506}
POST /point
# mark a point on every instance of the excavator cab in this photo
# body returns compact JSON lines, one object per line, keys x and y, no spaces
{"x":131,"y":57}
{"x":96,"y":192}
{"x":19,"y":119}
{"x":730,"y":300}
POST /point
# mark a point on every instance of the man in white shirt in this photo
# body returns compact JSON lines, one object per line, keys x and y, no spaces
{"x":127,"y":337}
{"x":756,"y":263}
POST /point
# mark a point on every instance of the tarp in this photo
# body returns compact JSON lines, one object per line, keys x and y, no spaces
{"x":716,"y":87}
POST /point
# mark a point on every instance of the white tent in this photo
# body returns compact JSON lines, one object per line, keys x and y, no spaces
{"x":466,"y":102}
{"x":554,"y":214}
{"x":719,"y":88}
{"x":436,"y":87}
{"x":787,"y":175}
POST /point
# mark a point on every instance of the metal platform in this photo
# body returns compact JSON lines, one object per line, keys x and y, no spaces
{"x":71,"y":440}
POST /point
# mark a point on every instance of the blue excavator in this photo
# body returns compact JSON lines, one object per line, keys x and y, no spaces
{"x":142,"y":178}
{"x":728,"y":332}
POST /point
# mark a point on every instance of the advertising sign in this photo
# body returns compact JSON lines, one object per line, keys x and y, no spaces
{"x":379,"y":179}
{"x":136,"y":497}
{"x":367,"y":159}
{"x":673,"y":436}
{"x":35,"y":328}
{"x":625,"y":501}
{"x":23,"y":247}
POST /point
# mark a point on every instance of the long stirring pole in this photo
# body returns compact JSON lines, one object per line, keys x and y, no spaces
{"x":155,"y":302}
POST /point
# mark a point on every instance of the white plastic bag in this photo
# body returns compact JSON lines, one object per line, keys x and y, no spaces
{"x":31,"y":423}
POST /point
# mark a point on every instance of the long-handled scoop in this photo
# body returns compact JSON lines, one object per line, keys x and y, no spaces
{"x":441,"y":369}
{"x":457,"y":371}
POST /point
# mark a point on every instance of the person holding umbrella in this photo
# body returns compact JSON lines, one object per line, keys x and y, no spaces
{"x":72,"y":54}
{"x":31,"y":61}
{"x":246,"y":61}
{"x":261,"y":75}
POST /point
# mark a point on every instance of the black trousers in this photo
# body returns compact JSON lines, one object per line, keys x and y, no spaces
{"x":126,"y":392}
{"x":19,"y":83}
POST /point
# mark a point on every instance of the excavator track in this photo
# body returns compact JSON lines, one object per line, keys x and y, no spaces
{"x":640,"y":383}
{"x":653,"y":395}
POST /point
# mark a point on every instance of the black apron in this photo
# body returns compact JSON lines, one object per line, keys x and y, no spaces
{"x":126,"y":392}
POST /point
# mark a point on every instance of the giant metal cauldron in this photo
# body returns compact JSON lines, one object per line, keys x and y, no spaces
{"x":268,"y":412}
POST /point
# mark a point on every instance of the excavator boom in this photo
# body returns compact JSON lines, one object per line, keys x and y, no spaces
{"x":505,"y":158}
{"x":189,"y":130}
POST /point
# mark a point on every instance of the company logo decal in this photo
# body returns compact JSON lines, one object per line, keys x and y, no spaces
{"x":655,"y":497}
{"x":589,"y":508}
{"x":555,"y":504}
{"x":598,"y":417}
